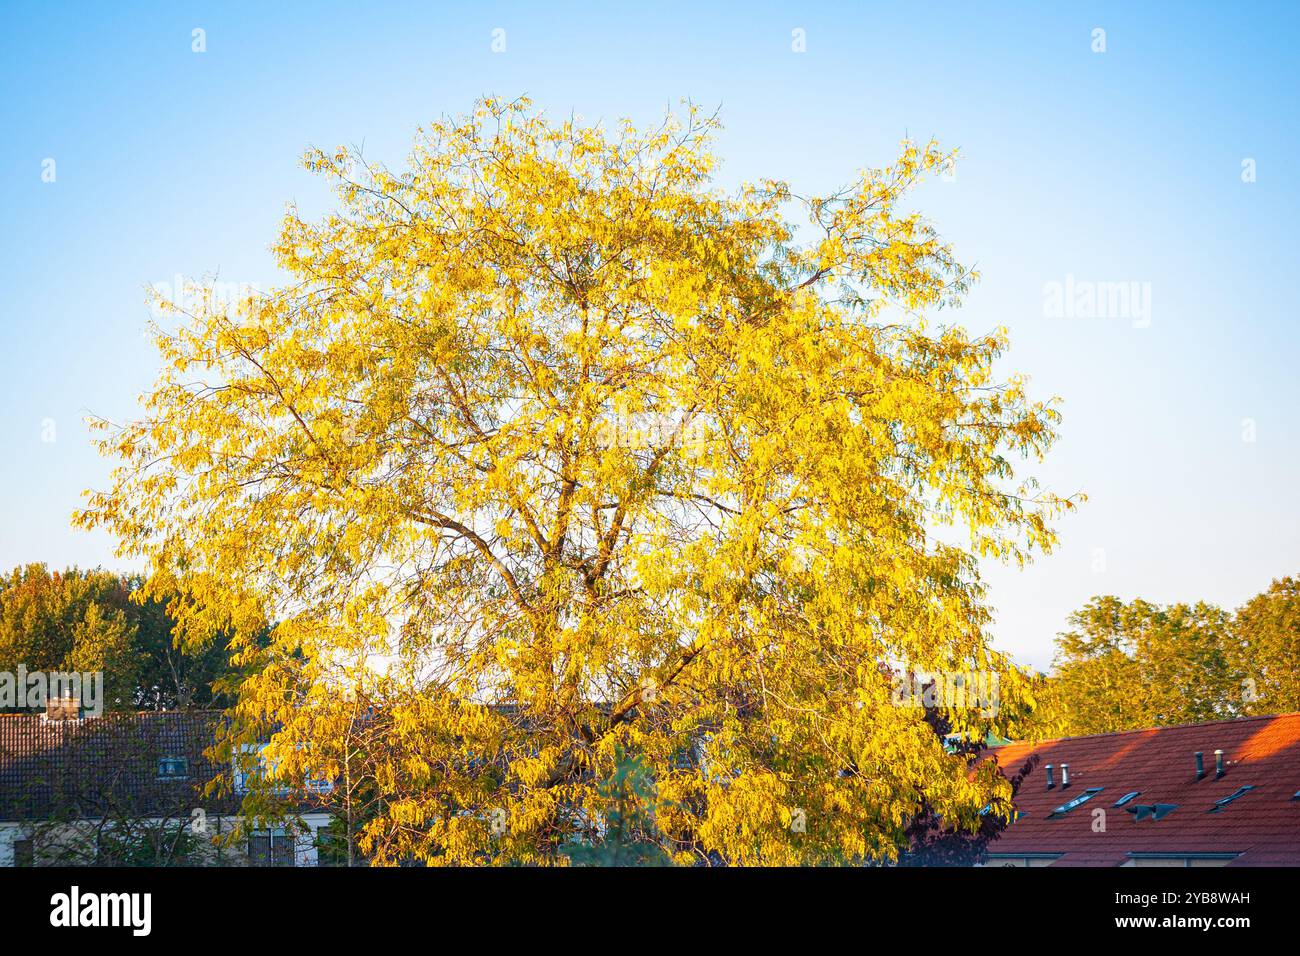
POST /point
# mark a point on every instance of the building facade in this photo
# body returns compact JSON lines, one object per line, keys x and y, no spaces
{"x":132,"y":789}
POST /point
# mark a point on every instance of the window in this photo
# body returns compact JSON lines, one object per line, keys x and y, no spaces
{"x":24,"y":853}
{"x":1021,"y":859}
{"x":259,"y":849}
{"x":282,"y":850}
{"x":318,"y":783}
{"x":1078,"y":801}
{"x":250,"y":764}
{"x":1127,"y":797}
{"x":173,"y":768}
{"x":1182,"y":860}
{"x":1223,"y":804}
{"x":270,"y":848}
{"x":1152,"y":811}
{"x":247,"y":765}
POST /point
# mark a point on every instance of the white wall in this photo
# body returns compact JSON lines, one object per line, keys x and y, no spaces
{"x":8,"y":833}
{"x":304,"y":844}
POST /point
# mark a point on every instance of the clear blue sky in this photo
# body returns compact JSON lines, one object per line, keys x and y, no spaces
{"x":1122,"y":166}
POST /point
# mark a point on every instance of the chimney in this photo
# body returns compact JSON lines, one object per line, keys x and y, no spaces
{"x":1200,"y":765}
{"x":1065,"y":775}
{"x":62,"y":708}
{"x":1218,"y":764}
{"x":1050,"y":782}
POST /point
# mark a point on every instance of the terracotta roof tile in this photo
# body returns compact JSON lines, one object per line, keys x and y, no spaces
{"x":1263,"y":825}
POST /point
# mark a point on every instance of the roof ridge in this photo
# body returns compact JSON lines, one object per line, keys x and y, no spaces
{"x":128,"y":713}
{"x":1147,"y":730}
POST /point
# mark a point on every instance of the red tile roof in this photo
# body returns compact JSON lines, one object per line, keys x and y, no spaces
{"x":1263,"y":825}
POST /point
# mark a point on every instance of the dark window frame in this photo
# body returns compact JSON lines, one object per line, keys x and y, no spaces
{"x":279,"y":848}
{"x":166,"y":770}
{"x":1221,"y":805}
{"x":24,"y":852}
{"x":1074,"y":804}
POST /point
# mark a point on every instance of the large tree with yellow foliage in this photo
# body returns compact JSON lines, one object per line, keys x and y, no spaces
{"x":553,"y":451}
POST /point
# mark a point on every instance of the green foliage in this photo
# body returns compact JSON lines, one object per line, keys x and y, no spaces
{"x":1268,"y":649}
{"x":628,"y":834}
{"x":97,"y":620}
{"x":140,"y":843}
{"x":1140,"y":665}
{"x":332,"y":844}
{"x":1124,"y":666}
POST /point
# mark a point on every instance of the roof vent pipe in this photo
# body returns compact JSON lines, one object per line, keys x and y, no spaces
{"x":1050,"y":782}
{"x":1200,"y":765}
{"x":1218,"y":764}
{"x":1065,"y":775}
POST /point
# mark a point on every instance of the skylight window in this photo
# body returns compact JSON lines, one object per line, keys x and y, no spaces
{"x":1223,"y":804}
{"x":173,"y":768}
{"x":1157,"y":811}
{"x":1078,"y":801}
{"x":1127,"y":797}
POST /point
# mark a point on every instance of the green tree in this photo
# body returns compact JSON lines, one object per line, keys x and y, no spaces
{"x":97,"y":620}
{"x":103,"y":640}
{"x":174,"y":675}
{"x":69,"y":621}
{"x":1126,"y":666}
{"x":621,"y":830}
{"x":1268,"y":649}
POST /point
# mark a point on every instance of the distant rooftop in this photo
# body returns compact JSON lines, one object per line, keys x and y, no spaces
{"x":1245,"y":815}
{"x":145,"y":763}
